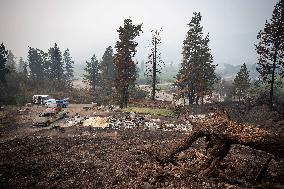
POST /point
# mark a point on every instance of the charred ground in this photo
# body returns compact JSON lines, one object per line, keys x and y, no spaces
{"x":87,"y":157}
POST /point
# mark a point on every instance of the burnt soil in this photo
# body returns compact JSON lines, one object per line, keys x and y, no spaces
{"x":85,"y":157}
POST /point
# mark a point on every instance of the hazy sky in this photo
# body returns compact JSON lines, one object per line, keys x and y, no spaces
{"x":89,"y":26}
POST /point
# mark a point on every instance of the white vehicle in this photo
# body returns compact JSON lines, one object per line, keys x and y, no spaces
{"x":51,"y":103}
{"x":41,"y":99}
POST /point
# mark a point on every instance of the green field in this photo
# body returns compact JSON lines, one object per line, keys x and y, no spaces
{"x":151,"y":111}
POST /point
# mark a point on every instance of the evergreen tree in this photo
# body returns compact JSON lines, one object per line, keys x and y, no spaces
{"x":124,"y":65}
{"x":10,"y":80}
{"x":11,"y":62}
{"x":37,"y":65}
{"x":55,"y":63}
{"x":23,"y":69}
{"x":108,"y":75}
{"x":92,"y":76}
{"x":69,"y":72}
{"x":205,"y":77}
{"x":107,"y":67}
{"x":3,"y":60}
{"x":271,"y":48}
{"x":242,"y":82}
{"x":197,"y":73}
{"x":154,"y":63}
{"x":21,"y":64}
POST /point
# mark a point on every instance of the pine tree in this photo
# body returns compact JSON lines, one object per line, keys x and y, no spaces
{"x":124,"y":65}
{"x":21,"y":64}
{"x":23,"y":68}
{"x":271,"y":48}
{"x":107,"y":67}
{"x":92,"y":76}
{"x":37,"y":65}
{"x":11,"y":62}
{"x":204,"y":76}
{"x":39,"y":70}
{"x":55,"y":63}
{"x":242,"y":82}
{"x":23,"y":81}
{"x":69,"y":72}
{"x":10,"y":87}
{"x":197,"y":73}
{"x":55,"y":69}
{"x":108,"y":75}
{"x":3,"y":60}
{"x":154,"y":63}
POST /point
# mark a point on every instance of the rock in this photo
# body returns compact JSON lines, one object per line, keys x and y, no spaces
{"x":132,"y":115}
{"x":96,"y":122}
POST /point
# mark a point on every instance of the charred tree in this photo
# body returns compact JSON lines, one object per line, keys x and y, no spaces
{"x":154,"y":63}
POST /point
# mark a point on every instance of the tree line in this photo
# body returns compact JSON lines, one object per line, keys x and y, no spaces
{"x":197,"y":77}
{"x":42,"y":72}
{"x":113,"y":79}
{"x":270,"y":65}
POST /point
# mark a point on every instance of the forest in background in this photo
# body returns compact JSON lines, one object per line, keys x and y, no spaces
{"x":197,"y":76}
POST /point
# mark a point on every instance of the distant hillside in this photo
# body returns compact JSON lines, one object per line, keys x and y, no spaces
{"x":169,"y":72}
{"x":78,"y":74}
{"x":229,"y":71}
{"x":79,"y":69}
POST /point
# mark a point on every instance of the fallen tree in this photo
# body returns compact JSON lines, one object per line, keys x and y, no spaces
{"x":220,"y":133}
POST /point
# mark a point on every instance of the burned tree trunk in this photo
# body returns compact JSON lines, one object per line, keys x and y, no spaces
{"x":154,"y":70}
{"x":222,"y":132}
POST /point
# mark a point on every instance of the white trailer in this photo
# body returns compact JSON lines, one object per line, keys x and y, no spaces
{"x":40,"y":99}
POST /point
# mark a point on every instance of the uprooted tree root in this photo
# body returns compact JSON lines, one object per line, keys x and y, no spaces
{"x":221,"y":133}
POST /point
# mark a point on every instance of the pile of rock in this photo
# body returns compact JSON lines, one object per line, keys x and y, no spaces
{"x":147,"y":123}
{"x":128,"y":121}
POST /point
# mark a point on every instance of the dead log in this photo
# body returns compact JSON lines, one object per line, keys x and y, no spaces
{"x":223,"y":132}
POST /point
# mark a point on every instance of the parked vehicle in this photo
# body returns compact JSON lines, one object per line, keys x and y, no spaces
{"x":63,"y":103}
{"x":41,"y":99}
{"x":50,"y":102}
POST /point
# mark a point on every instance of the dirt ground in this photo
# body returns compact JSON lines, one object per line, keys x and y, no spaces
{"x":87,"y":157}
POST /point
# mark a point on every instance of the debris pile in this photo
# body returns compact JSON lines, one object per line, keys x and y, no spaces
{"x":128,"y":121}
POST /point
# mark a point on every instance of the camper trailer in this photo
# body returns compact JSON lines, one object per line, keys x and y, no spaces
{"x":40,"y":99}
